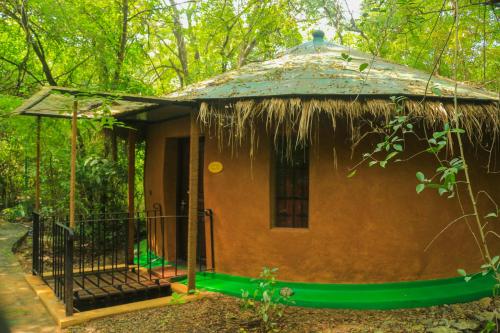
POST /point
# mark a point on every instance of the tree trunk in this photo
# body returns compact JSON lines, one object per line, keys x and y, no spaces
{"x":181,"y":43}
{"x":123,"y":43}
{"x":33,"y":41}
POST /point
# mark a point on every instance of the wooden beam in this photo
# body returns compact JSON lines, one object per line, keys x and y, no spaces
{"x":132,"y":137}
{"x":194,"y":148}
{"x":38,"y":156}
{"x":72,"y":181}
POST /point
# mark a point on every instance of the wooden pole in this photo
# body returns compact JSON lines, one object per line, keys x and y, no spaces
{"x":131,"y":192}
{"x":37,"y":174}
{"x":193,"y":201}
{"x":72,"y":180}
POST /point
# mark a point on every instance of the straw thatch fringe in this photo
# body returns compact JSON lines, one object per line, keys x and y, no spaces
{"x":293,"y":118}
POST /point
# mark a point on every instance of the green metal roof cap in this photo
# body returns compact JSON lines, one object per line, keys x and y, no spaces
{"x":319,"y":68}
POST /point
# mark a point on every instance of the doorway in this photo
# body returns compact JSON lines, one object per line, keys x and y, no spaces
{"x":182,"y":201}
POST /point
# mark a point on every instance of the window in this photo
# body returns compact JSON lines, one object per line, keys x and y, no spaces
{"x":291,"y":188}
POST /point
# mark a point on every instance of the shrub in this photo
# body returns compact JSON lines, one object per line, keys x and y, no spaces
{"x":267,"y":302}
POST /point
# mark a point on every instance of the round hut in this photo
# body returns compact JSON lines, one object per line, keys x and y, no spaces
{"x":280,"y":142}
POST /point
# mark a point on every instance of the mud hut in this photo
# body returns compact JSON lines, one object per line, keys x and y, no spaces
{"x":280,"y":138}
{"x":274,"y":143}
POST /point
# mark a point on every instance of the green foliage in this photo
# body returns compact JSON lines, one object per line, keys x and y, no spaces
{"x":177,"y":299}
{"x":83,"y":44}
{"x":267,"y":302}
{"x":13,"y":213}
{"x":489,"y":328}
{"x":414,"y":33}
{"x":445,"y":179}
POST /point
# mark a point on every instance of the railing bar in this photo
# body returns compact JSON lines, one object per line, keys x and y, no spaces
{"x":127,"y":238}
{"x":198,"y":247}
{"x":54,"y":252}
{"x":59,"y":261}
{"x":176,"y":245}
{"x":162,"y":221}
{"x":104,"y":243}
{"x":92,"y":247}
{"x":99,"y":244}
{"x":42,"y":249}
{"x":212,"y":248}
{"x":113,"y":252}
{"x":65,"y":262}
{"x":80,"y":247}
{"x":84,"y":247}
{"x":138,"y":231}
{"x":150,"y":245}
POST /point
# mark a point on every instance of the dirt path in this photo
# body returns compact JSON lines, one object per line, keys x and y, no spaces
{"x":20,"y":306}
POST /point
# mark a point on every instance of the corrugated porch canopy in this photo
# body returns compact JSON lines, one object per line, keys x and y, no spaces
{"x":58,"y":101}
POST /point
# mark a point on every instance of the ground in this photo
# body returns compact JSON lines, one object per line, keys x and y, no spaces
{"x":21,"y":309}
{"x":219,"y":313}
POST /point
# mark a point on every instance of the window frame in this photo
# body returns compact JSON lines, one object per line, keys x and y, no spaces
{"x":274,"y":195}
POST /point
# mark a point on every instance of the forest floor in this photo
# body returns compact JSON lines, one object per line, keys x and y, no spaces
{"x":220,"y":313}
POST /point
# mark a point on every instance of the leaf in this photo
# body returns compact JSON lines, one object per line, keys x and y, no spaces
{"x":352,"y":173}
{"x":437,"y":135}
{"x":383,"y":164}
{"x":461,"y":272}
{"x":420,"y":188}
{"x":467,"y":278}
{"x":398,"y":147}
{"x":436,"y":91}
{"x":495,"y":260}
{"x":442,"y":190}
{"x":420,"y":176}
{"x":391,"y":155}
{"x":363,"y":66}
{"x":372,"y":163}
{"x":491,"y":215}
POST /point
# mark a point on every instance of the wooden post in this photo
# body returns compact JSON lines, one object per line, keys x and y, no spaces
{"x":131,"y":193}
{"x":193,"y":201}
{"x":72,"y":180}
{"x":37,"y":174}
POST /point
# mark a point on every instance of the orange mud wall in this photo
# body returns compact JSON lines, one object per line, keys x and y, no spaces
{"x":369,"y":228}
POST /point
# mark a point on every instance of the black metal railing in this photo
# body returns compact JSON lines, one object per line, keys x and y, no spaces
{"x":99,"y":250}
{"x":62,"y":267}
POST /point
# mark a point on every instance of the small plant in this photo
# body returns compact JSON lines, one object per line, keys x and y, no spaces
{"x":267,"y":302}
{"x":489,"y":328}
{"x":177,"y":299}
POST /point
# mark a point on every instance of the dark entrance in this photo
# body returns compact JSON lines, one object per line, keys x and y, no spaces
{"x":183,"y":200}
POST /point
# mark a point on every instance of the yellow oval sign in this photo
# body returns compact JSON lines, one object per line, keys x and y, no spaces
{"x":215,"y":167}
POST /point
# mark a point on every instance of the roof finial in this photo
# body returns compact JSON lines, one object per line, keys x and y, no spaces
{"x":318,"y":36}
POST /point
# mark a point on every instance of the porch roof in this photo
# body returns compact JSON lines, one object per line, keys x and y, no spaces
{"x":57,"y":102}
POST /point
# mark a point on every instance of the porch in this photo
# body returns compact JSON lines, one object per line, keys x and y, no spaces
{"x":108,"y":259}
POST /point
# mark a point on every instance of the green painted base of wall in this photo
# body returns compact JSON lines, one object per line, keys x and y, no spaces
{"x":380,"y":296}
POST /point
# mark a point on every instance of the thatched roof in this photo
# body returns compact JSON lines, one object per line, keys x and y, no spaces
{"x":317,"y":68}
{"x":290,"y":92}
